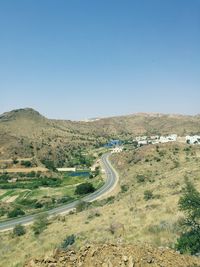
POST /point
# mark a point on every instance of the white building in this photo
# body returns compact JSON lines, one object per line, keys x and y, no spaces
{"x":154,"y":137}
{"x":66,"y":169}
{"x":195,"y":139}
{"x":117,"y":150}
{"x":142,"y":142}
{"x":169,"y":138}
{"x":141,"y":138}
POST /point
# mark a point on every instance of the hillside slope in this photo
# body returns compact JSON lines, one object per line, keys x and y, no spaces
{"x":26,"y":133}
{"x":128,"y":218}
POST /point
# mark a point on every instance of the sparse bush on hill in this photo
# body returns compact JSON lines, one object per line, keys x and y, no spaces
{"x":15,"y":213}
{"x":82,"y":205}
{"x":15,"y":161}
{"x":40,"y":223}
{"x":140,"y":178}
{"x":65,"y":199}
{"x":176,"y":164}
{"x":38,"y":205}
{"x":148,"y":194}
{"x":49,"y":164}
{"x":189,"y":203}
{"x":26,"y":163}
{"x":19,"y":230}
{"x":124,"y":188}
{"x":116,"y":228}
{"x":68,"y":241}
{"x":2,"y":212}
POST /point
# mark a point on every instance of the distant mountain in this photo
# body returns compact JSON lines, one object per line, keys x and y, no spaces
{"x":21,"y":114}
{"x":26,"y":133}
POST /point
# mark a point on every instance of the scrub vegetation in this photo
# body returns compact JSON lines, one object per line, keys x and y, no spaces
{"x":132,"y":215}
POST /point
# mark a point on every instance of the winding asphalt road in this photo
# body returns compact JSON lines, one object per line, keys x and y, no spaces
{"x":110,"y":183}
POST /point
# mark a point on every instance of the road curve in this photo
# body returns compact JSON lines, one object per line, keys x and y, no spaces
{"x":110,"y":183}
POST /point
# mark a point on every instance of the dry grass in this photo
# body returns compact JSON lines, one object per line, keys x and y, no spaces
{"x":154,"y":221}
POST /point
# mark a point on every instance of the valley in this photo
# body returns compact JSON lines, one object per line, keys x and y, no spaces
{"x":142,"y":209}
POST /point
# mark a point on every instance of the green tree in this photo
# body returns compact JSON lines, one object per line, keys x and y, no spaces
{"x":84,"y":188}
{"x":40,"y":223}
{"x":49,"y":164}
{"x":15,"y":213}
{"x":26,"y":163}
{"x":19,"y":230}
{"x":189,"y":203}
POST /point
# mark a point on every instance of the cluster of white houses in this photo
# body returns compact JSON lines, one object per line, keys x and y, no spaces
{"x":194,"y":139}
{"x":156,"y":139}
{"x":145,"y":140}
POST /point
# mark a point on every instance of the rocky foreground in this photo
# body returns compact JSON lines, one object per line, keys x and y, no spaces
{"x":111,"y":255}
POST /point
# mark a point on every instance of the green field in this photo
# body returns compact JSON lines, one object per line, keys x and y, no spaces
{"x":44,"y":197}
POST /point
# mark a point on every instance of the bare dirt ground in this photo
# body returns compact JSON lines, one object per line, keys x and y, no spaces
{"x":9,"y":199}
{"x":114,"y":255}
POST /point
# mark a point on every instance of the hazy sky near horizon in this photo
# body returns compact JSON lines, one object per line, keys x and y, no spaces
{"x":79,"y":59}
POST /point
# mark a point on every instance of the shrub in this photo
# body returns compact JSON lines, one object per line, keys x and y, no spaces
{"x":140,"y":178}
{"x":38,"y":205}
{"x":82,"y":205}
{"x":15,"y":161}
{"x":19,"y":230}
{"x":116,"y":228}
{"x":189,"y":242}
{"x":26,"y":163}
{"x":49,"y":164}
{"x":148,"y":194}
{"x":64,"y":199}
{"x":2,"y":212}
{"x":124,"y":188}
{"x":84,"y":188}
{"x":93,"y":214}
{"x":109,"y":200}
{"x":189,"y":203}
{"x":31,"y":174}
{"x":15,"y":213}
{"x":27,"y":202}
{"x":40,"y":223}
{"x":161,"y":153}
{"x":68,"y":241}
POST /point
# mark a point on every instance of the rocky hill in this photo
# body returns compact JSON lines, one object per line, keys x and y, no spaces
{"x":26,"y":133}
{"x":112,"y":255}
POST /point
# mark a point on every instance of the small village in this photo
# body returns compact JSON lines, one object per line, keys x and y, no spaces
{"x":145,"y":140}
{"x":156,"y":139}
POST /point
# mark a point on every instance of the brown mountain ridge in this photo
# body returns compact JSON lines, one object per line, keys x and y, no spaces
{"x":26,"y":133}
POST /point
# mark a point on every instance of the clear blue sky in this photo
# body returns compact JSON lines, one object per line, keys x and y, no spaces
{"x":75,"y":59}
